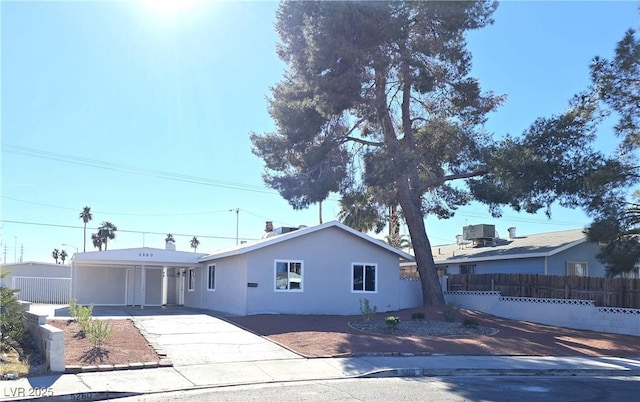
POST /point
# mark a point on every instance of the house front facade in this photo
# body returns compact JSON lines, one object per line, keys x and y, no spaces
{"x":325,"y":269}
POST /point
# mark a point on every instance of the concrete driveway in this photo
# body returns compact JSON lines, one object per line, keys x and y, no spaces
{"x":188,"y":336}
{"x":194,"y":339}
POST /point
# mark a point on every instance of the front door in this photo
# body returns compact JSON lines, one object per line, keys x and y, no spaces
{"x":180,"y":285}
{"x":134,"y":277}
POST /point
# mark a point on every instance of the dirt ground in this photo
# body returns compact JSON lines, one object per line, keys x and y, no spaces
{"x":325,"y":336}
{"x":126,"y":345}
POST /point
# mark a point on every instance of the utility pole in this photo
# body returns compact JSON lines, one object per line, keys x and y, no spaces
{"x":237,"y":210}
{"x":15,"y":248}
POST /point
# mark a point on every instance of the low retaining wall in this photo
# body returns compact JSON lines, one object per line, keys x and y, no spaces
{"x":569,"y":313}
{"x":49,"y":339}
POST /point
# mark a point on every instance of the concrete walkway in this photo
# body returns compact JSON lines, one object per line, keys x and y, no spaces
{"x":209,"y":352}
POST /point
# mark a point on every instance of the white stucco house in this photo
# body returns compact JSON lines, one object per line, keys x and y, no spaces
{"x":324,"y":269}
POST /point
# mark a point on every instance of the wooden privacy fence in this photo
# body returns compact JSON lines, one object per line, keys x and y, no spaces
{"x":43,"y":290}
{"x":606,"y":292}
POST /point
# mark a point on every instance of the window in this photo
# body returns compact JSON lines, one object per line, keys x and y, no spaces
{"x":364,"y":278}
{"x":211,"y":278}
{"x":467,"y":269}
{"x":577,"y":268}
{"x":191,"y":279}
{"x":288,"y":275}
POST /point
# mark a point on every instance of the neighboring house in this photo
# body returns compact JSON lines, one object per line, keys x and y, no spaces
{"x":324,"y":269}
{"x":40,"y":282}
{"x":555,"y":253}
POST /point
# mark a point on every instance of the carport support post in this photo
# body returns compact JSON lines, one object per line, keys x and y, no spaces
{"x":143,"y":280}
{"x":165,"y":283}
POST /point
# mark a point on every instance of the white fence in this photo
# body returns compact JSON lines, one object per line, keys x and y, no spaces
{"x":42,"y":290}
{"x":569,"y":313}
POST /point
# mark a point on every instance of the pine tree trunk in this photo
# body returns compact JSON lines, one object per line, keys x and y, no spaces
{"x":430,"y":283}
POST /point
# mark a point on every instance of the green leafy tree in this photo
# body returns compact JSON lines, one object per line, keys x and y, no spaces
{"x":55,"y":254}
{"x":377,"y":97}
{"x":106,"y":232}
{"x":194,"y":243}
{"x":86,"y":217}
{"x":616,"y":88}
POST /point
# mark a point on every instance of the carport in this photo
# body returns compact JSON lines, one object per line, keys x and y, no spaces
{"x":131,"y":277}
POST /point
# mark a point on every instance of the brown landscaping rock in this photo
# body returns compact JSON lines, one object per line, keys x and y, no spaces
{"x":330,"y":335}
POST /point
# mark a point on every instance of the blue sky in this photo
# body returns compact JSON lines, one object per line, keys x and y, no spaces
{"x":144,"y":116}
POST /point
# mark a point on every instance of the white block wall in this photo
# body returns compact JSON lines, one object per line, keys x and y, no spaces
{"x":49,"y":339}
{"x":569,"y":313}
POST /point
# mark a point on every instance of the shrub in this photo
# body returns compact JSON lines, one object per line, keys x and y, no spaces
{"x":84,"y":317}
{"x":470,"y":323}
{"x":73,"y":309}
{"x":12,"y":331}
{"x":392,"y":322}
{"x":366,"y":310}
{"x":417,"y":316}
{"x":98,"y":332}
{"x":450,"y":313}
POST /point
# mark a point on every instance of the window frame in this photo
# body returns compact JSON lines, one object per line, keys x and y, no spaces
{"x":275,"y":275}
{"x":209,"y":277}
{"x":571,"y":268}
{"x":364,"y":277}
{"x":470,"y":268}
{"x":191,"y":279}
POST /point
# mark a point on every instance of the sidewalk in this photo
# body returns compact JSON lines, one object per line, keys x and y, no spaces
{"x":97,"y":386}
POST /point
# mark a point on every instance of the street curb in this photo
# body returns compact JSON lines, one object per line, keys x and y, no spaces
{"x":419,"y":372}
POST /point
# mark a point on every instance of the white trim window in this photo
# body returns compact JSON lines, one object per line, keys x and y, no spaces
{"x":577,"y":268}
{"x":211,"y":277}
{"x":288,"y":275}
{"x":364,"y":277}
{"x":191,"y":279}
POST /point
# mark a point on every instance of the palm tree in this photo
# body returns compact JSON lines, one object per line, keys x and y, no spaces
{"x":63,"y":255}
{"x":107,"y":231}
{"x":97,"y":241}
{"x":55,"y":254}
{"x":169,"y":238}
{"x":195,"y":243}
{"x":86,"y":216}
{"x":361,"y":212}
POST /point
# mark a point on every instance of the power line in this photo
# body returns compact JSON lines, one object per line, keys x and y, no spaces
{"x":120,"y":230}
{"x":76,"y":160}
{"x":114,"y":213}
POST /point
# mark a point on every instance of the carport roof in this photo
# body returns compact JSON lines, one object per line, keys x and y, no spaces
{"x":140,"y":256}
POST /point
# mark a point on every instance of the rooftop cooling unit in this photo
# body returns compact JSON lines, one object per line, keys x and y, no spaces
{"x":479,"y":232}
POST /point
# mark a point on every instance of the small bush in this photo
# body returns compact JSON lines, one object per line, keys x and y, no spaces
{"x":392,"y":322}
{"x":12,"y":331}
{"x":73,"y":309}
{"x":470,"y":323}
{"x":366,"y":310}
{"x":450,"y":313}
{"x":417,"y":316}
{"x":98,"y":332}
{"x":84,"y":317}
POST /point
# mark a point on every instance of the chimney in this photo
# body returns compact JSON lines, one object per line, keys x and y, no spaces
{"x":512,"y":232}
{"x":170,"y":245}
{"x":268,"y":227}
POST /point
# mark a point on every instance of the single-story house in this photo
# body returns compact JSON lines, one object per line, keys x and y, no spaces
{"x":554,"y":253}
{"x":323,"y":269}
